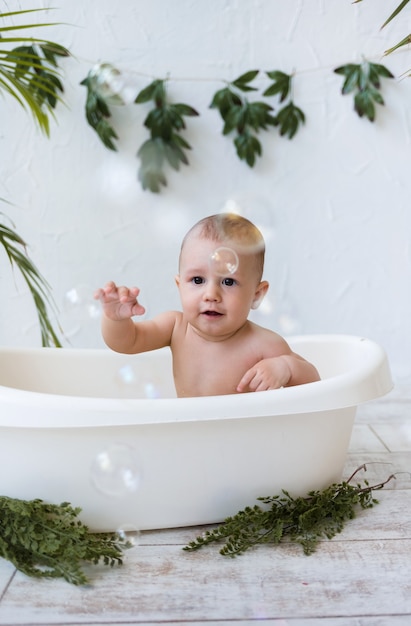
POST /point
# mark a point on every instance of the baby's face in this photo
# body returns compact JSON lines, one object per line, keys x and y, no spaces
{"x":217,"y":302}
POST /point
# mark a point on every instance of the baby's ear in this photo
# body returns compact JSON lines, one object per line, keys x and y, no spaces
{"x":177,"y":279}
{"x":259,"y":294}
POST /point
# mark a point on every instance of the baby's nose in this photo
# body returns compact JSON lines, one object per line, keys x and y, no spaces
{"x":212,"y":291}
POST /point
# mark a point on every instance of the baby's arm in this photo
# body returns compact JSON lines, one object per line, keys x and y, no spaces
{"x":120,"y":332}
{"x":280,"y":371}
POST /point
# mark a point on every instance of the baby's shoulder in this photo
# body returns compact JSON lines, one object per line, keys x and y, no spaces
{"x":268,"y":337}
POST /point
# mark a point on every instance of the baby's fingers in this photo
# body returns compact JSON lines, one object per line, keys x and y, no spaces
{"x":245,"y":382}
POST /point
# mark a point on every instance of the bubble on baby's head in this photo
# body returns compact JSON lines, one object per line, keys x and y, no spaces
{"x":116,"y":471}
{"x":223,"y":261}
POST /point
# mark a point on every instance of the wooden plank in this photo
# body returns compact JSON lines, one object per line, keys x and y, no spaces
{"x":386,"y":620}
{"x":344,"y":578}
{"x":6,"y":573}
{"x":380,"y":465}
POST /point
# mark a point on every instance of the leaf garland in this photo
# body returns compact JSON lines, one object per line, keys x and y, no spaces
{"x":364,"y":81}
{"x":242,"y":117}
{"x":303,"y":520}
{"x":166,"y":145}
{"x":48,"y":541}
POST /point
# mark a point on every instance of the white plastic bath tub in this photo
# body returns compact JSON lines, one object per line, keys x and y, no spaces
{"x":67,"y":415}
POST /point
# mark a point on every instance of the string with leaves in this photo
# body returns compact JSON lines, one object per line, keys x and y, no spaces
{"x":166,"y":144}
{"x":303,"y":520}
{"x":49,"y":541}
{"x":364,"y":81}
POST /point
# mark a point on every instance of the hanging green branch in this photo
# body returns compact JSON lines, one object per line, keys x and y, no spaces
{"x":48,"y":541}
{"x":304,"y":520}
{"x":29,"y":72}
{"x":15,"y":249}
{"x":289,"y":117}
{"x":364,"y":81}
{"x":243,"y":117}
{"x":99,"y":97}
{"x":166,"y":145}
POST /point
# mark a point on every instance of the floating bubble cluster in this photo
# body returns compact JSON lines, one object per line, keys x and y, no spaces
{"x":116,"y":471}
{"x":78,"y":310}
{"x":223,"y":261}
{"x":137,"y":383}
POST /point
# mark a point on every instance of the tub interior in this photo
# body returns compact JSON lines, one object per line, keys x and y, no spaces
{"x":102,"y":373}
{"x":88,"y":373}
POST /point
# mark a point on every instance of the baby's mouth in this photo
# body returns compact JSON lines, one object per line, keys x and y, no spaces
{"x":212,"y":313}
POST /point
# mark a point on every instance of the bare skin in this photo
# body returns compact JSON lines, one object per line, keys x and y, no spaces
{"x":216,"y":349}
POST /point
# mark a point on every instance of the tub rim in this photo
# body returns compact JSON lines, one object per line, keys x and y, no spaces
{"x":369,"y":379}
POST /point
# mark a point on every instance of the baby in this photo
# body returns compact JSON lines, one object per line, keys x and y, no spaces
{"x":216,"y":350}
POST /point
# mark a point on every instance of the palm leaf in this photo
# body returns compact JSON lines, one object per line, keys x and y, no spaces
{"x":15,"y":248}
{"x":395,"y":12}
{"x":36,"y":88}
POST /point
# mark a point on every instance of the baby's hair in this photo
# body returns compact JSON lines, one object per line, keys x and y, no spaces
{"x":230,"y":228}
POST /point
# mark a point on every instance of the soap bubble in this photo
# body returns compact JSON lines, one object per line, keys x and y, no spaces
{"x":108,"y":82}
{"x":116,"y":471}
{"x":288,"y":319}
{"x":137,"y":382}
{"x":129,"y":534}
{"x":79,"y":303}
{"x":78,"y":309}
{"x":223,"y":261}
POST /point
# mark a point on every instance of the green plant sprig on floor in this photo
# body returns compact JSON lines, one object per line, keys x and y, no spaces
{"x":48,"y":541}
{"x":363,"y":79}
{"x":166,"y":145}
{"x":15,"y":248}
{"x":303,"y":520}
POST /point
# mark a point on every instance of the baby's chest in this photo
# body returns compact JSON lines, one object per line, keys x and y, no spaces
{"x":212,"y":371}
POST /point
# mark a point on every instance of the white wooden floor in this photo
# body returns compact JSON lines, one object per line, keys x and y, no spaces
{"x":360,"y":578}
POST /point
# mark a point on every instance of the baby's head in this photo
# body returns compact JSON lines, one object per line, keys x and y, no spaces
{"x":235,"y":232}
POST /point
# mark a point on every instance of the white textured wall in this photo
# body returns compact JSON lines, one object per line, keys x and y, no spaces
{"x":334,"y":202}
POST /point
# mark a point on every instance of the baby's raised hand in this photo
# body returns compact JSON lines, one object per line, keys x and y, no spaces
{"x":119,"y":303}
{"x":271,"y":373}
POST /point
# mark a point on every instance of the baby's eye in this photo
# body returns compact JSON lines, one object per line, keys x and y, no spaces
{"x":197,"y":280}
{"x":229,"y":282}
